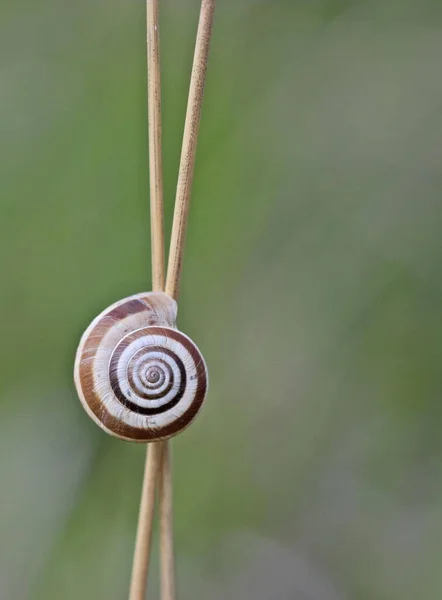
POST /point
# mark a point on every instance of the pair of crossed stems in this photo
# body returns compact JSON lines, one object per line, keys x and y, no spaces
{"x":157,"y":472}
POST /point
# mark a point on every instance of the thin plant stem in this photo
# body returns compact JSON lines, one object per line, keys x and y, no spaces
{"x":155,"y":146}
{"x":181,"y":212}
{"x":145,"y":521}
{"x":167,"y":574}
{"x":154,"y":450}
{"x":187,"y":162}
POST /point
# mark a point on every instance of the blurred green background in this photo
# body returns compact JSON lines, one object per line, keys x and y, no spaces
{"x":312,"y":283}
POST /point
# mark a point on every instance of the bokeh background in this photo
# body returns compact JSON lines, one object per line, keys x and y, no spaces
{"x":312,"y":283}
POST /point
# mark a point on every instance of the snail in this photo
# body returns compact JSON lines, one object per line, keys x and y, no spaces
{"x":138,"y":377}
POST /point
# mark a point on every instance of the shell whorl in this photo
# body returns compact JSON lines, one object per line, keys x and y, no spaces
{"x":137,"y":376}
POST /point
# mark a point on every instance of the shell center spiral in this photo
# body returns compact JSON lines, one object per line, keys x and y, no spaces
{"x":146,"y":374}
{"x":153,"y":375}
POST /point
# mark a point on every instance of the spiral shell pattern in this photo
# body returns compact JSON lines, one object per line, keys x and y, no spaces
{"x":137,"y":376}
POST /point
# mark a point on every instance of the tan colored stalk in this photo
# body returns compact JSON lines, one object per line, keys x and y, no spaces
{"x":154,"y":450}
{"x":187,"y":163}
{"x":181,"y":212}
{"x":167,"y":574}
{"x":155,"y":146}
{"x":145,"y":520}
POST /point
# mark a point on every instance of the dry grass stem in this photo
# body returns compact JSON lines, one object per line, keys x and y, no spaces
{"x":154,"y":450}
{"x":187,"y":163}
{"x":181,"y":212}
{"x":155,"y":146}
{"x":166,"y":527}
{"x":145,"y":520}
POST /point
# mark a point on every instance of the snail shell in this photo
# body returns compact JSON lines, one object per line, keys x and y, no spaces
{"x":137,"y":376}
